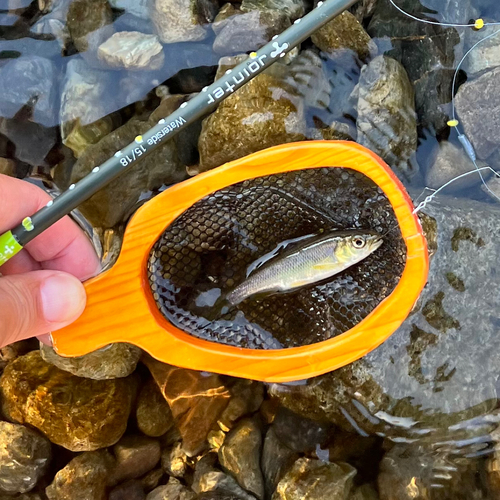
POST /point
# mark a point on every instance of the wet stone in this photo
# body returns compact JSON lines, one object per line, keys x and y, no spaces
{"x":240,"y":456}
{"x":315,"y":480}
{"x":485,"y":56}
{"x":29,"y":81}
{"x":216,"y":481}
{"x":152,"y":479}
{"x":182,"y":20}
{"x":386,"y":113}
{"x":186,"y":392}
{"x":84,"y":477}
{"x":135,"y":456}
{"x":365,"y":492}
{"x":475,"y":100}
{"x":174,"y":461}
{"x":153,"y":414}
{"x":132,"y":50}
{"x":138,"y":8}
{"x":8,"y":167}
{"x":292,"y":8}
{"x":76,"y":413}
{"x":344,"y":33}
{"x":114,"y":361}
{"x":246,"y":398}
{"x":263,"y":113}
{"x":131,"y":490}
{"x":24,"y":458}
{"x":248,"y":31}
{"x":174,"y":490}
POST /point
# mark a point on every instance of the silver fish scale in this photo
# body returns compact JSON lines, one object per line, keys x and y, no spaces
{"x":210,"y":247}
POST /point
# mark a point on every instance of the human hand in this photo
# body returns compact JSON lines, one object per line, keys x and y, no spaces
{"x":40,"y":290}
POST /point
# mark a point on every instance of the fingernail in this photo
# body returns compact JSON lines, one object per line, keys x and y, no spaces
{"x":46,"y":339}
{"x":63,"y":298}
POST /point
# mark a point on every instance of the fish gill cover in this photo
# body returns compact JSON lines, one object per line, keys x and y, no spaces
{"x":208,"y":250}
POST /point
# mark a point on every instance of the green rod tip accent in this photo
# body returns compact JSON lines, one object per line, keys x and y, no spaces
{"x":8,"y":247}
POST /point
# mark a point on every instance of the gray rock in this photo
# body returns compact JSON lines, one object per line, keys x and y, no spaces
{"x":174,"y":490}
{"x":492,"y":187}
{"x":84,"y":477}
{"x":248,"y":31}
{"x":87,"y":98}
{"x":386,"y":113}
{"x":132,"y":50}
{"x":137,"y":8}
{"x":486,"y":55}
{"x":214,"y":480}
{"x":113,"y":361}
{"x":152,"y":479}
{"x":29,"y":81}
{"x":240,"y":456}
{"x":246,"y":398}
{"x":24,"y":458}
{"x":277,"y":459}
{"x":440,"y":367}
{"x":174,"y":461}
{"x":450,"y":162}
{"x":182,"y":20}
{"x":292,"y":8}
{"x":7,"y":167}
{"x":478,"y":107}
{"x":153,"y":414}
{"x":365,"y":492}
{"x":131,"y":490}
{"x":135,"y":456}
{"x":218,"y":495}
{"x":315,"y":480}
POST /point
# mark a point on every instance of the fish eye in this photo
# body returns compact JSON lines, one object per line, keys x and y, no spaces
{"x":358,"y":242}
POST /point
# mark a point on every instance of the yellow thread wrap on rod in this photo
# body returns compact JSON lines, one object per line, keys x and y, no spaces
{"x":8,"y":247}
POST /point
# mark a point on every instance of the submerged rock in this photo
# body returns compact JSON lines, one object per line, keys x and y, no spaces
{"x":114,"y":361}
{"x":174,"y":490}
{"x":24,"y":458}
{"x":138,"y":8}
{"x":315,"y":480}
{"x":196,"y":400}
{"x":365,"y":492}
{"x":486,"y":55}
{"x":246,"y":398}
{"x":263,"y":113}
{"x":29,"y":81}
{"x":132,"y":50}
{"x":182,"y":20}
{"x":79,"y":414}
{"x":478,"y":107}
{"x":131,"y":490}
{"x":386,"y":113}
{"x":219,"y":483}
{"x":84,"y":477}
{"x":174,"y":461}
{"x":344,"y":33}
{"x":153,"y":414}
{"x":240,"y":456}
{"x":292,"y":8}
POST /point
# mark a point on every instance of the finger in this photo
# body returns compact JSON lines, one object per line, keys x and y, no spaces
{"x":23,"y":262}
{"x":63,"y":246}
{"x":38,"y":302}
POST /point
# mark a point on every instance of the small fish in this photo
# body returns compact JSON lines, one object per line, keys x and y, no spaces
{"x":313,"y":260}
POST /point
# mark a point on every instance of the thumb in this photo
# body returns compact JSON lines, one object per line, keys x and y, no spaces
{"x":38,"y":302}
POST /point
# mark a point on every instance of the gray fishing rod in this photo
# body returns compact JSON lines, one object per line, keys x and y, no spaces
{"x":13,"y":241}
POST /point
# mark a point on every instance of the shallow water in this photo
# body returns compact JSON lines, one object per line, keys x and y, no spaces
{"x":432,"y":388}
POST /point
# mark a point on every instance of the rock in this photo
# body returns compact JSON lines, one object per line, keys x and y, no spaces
{"x":478,"y":106}
{"x":114,"y":361}
{"x":240,"y":456}
{"x":246,"y":398}
{"x":218,"y":495}
{"x":215,"y":481}
{"x":300,"y":434}
{"x":132,"y":50}
{"x":187,"y":392}
{"x":492,"y":187}
{"x":450,"y":162}
{"x":174,"y":461}
{"x":138,"y":8}
{"x":315,"y":480}
{"x":152,"y":479}
{"x":76,"y":413}
{"x":292,"y":8}
{"x":365,"y":492}
{"x":7,"y":167}
{"x":135,"y":456}
{"x":261,"y":114}
{"x":84,"y":477}
{"x":153,"y":414}
{"x":277,"y":459}
{"x":431,"y":370}
{"x":248,"y":31}
{"x":131,"y":490}
{"x":24,"y":458}
{"x":486,"y":55}
{"x":344,"y":33}
{"x":29,"y":81}
{"x":12,"y":351}
{"x":364,"y":9}
{"x":182,"y":20}
{"x":89,"y":23}
{"x":174,"y":490}
{"x":114,"y":203}
{"x":87,"y":98}
{"x":386,"y":113}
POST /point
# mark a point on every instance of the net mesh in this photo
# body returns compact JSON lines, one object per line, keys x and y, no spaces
{"x":207,"y":251}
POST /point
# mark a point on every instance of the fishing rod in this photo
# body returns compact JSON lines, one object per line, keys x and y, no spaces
{"x":12,"y":242}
